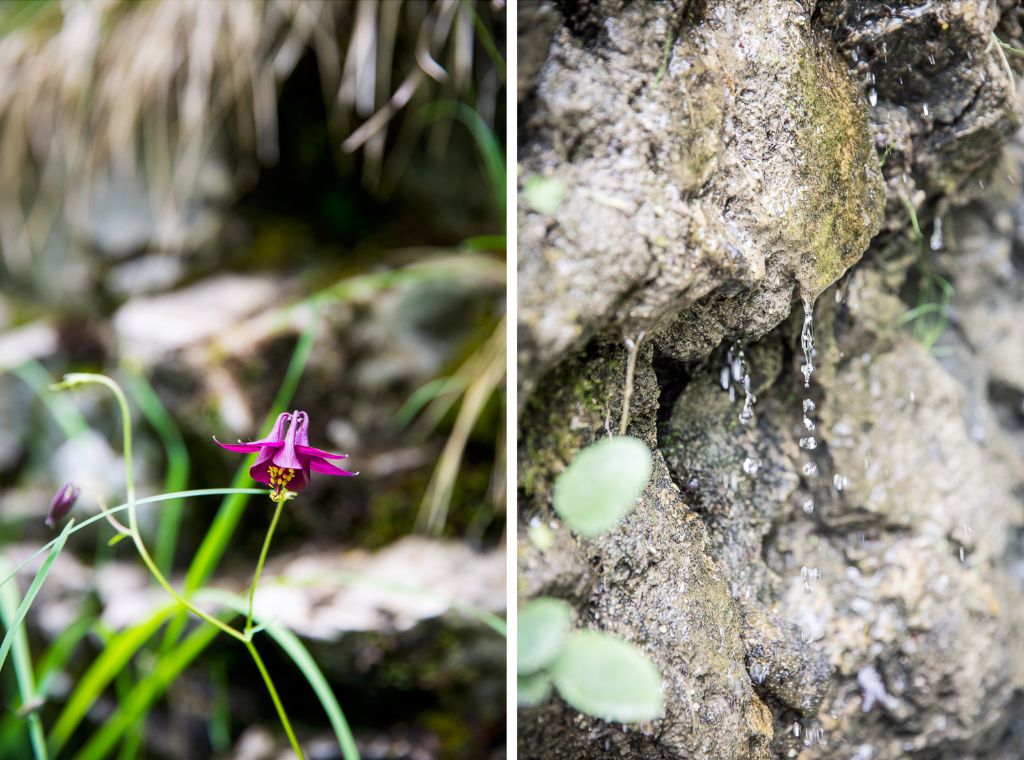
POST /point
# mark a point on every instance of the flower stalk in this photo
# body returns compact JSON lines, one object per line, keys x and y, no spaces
{"x":279,"y":495}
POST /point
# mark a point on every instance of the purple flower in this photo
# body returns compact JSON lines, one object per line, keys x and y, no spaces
{"x":286,"y":460}
{"x":62,"y":503}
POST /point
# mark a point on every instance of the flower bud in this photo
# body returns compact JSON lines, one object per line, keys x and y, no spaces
{"x":62,"y":503}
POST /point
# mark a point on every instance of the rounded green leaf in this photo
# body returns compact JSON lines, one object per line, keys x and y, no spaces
{"x":533,"y":690}
{"x":543,"y":194}
{"x":542,"y":626}
{"x":602,"y":484}
{"x":607,"y":677}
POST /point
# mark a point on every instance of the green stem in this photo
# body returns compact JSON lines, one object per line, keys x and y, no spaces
{"x":276,"y":699}
{"x":78,"y":378}
{"x":263,"y":558}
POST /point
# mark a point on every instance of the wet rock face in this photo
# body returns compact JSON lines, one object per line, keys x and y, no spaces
{"x":707,"y":182}
{"x":652,"y":581}
{"x":938,"y":83}
{"x":713,"y":160}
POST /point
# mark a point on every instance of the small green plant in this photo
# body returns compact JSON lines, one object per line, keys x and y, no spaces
{"x":543,"y":194}
{"x":930,"y":317}
{"x":602,"y":484}
{"x":595,"y":672}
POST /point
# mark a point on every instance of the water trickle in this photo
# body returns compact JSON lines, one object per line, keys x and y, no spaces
{"x":808,"y":574}
{"x":961,"y":554}
{"x":924,"y":108}
{"x":936,"y":242}
{"x":796,"y":728}
{"x":873,"y":96}
{"x":809,"y":443}
{"x":840,"y":481}
{"x":807,"y":344}
{"x":809,"y":506}
{"x":737,"y":372}
{"x":751,"y":466}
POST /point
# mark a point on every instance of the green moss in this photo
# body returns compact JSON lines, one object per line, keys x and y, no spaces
{"x":844,"y":201}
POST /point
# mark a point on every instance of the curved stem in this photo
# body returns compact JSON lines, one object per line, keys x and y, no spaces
{"x":259,"y":565}
{"x":276,"y":699}
{"x":78,"y":378}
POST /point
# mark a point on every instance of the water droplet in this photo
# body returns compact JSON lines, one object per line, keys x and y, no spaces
{"x":936,"y":241}
{"x":751,"y":466}
{"x":924,"y":108}
{"x":808,"y":405}
{"x":810,"y":469}
{"x":873,"y":96}
{"x":808,"y":443}
{"x":961,"y":554}
{"x":840,"y":481}
{"x":758,"y":672}
{"x":931,"y":58}
{"x":807,"y":344}
{"x":808,"y":423}
{"x":724,"y":379}
{"x":796,"y":728}
{"x":809,"y":506}
{"x":967,"y":529}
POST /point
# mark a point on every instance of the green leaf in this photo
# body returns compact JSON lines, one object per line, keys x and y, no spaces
{"x":602,"y":484}
{"x":533,"y":690}
{"x":609,"y":678}
{"x":543,"y":194}
{"x":543,"y":624}
{"x":30,"y":595}
{"x":21,"y":658}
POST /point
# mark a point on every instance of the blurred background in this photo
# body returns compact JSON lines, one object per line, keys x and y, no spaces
{"x":232,"y":207}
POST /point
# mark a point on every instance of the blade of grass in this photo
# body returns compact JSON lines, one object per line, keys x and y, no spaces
{"x":122,"y":507}
{"x":22,"y":660}
{"x":116,"y":655}
{"x":177,"y":465}
{"x":37,"y":583}
{"x":491,"y":154}
{"x":60,"y":651}
{"x":146,"y":692}
{"x":298,"y":653}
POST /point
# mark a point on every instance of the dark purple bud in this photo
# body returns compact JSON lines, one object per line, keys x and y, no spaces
{"x":62,"y":503}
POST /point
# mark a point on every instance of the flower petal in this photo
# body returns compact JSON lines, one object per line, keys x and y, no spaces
{"x":315,"y":452}
{"x":319,"y":465}
{"x":287,"y":456}
{"x":249,"y":448}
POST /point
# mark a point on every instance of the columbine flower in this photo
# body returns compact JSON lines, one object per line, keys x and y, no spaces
{"x":62,"y":503}
{"x":286,"y":461}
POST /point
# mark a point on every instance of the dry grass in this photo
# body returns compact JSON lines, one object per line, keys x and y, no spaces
{"x":102,"y":88}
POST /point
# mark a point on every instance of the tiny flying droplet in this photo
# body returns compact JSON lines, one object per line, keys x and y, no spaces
{"x":810,"y":469}
{"x":809,"y":506}
{"x":809,"y":443}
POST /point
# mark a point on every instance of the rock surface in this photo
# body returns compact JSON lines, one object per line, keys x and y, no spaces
{"x":719,"y":162}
